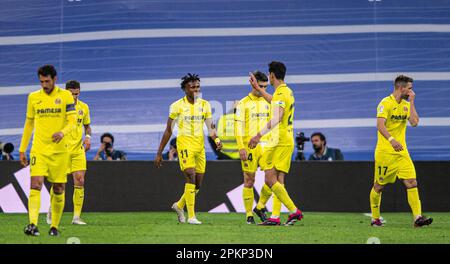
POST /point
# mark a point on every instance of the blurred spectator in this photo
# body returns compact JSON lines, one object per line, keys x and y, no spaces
{"x":172,"y":153}
{"x":107,"y":151}
{"x":6,"y":149}
{"x":225,"y":131}
{"x":321,"y":151}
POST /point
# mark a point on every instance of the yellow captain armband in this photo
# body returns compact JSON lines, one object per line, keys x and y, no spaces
{"x":217,"y":140}
{"x":390,"y":138}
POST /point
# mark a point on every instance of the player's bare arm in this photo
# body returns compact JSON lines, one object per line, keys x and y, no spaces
{"x":213,"y":133}
{"x":87,"y":137}
{"x":413,"y":117}
{"x":263,"y":92}
{"x":278,"y":113}
{"x":381,"y":126}
{"x":166,"y":136}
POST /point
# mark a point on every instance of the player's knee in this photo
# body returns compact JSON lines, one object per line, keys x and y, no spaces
{"x":378,"y":188}
{"x":36,"y":186}
{"x":79,"y":181}
{"x":249,"y":182}
{"x":58,"y":188}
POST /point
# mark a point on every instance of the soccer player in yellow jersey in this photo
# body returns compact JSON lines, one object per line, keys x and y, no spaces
{"x":190,"y":113}
{"x":77,"y":149}
{"x":277,"y":156}
{"x":392,"y":158}
{"x":252,"y":113}
{"x":51,"y":115}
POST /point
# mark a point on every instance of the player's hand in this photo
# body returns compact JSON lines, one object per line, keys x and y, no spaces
{"x":219,"y":145}
{"x":254,"y":141}
{"x":23,"y":159}
{"x":87,"y":144}
{"x":158,"y":160}
{"x":396,"y":145}
{"x":243,"y":154}
{"x":57,"y":137}
{"x":254,"y":82}
{"x":411,"y":95}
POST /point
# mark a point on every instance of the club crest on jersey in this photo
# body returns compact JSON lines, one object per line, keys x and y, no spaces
{"x":267,"y":107}
{"x":381,"y":179}
{"x":58,"y":101}
{"x":80,"y":112}
{"x":405,"y":108}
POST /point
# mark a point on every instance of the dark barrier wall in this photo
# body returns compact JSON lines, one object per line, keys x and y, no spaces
{"x":314,"y":186}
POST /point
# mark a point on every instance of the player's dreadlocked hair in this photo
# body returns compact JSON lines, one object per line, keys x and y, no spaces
{"x":190,"y":77}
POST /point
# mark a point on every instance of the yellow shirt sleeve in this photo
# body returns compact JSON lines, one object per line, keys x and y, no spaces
{"x":71,"y":119}
{"x":239,"y":119}
{"x":279,"y":99}
{"x":30,"y":107}
{"x":87,"y":116}
{"x":383,"y":109}
{"x":208,"y":112}
{"x":173,"y":111}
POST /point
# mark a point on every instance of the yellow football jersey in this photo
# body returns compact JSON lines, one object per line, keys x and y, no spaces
{"x":283,"y":133}
{"x":190,"y":119}
{"x":252,"y":114}
{"x":396,"y":115}
{"x":75,"y":139}
{"x":49,"y":114}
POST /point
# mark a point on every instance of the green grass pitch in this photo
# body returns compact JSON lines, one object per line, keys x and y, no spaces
{"x":162,"y":228}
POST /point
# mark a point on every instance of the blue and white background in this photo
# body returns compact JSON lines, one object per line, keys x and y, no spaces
{"x":129,"y":56}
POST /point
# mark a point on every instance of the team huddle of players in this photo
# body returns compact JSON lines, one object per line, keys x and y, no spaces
{"x":264,"y":134}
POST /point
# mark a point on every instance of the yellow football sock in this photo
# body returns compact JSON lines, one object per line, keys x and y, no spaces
{"x":34,"y":204}
{"x":249,"y":197}
{"x":78,"y":199}
{"x":276,"y":207}
{"x":57,"y":204}
{"x":182,"y":202}
{"x":375,"y":201}
{"x":279,"y":190}
{"x":414,"y":201}
{"x":189,"y":196}
{"x":266,"y":192}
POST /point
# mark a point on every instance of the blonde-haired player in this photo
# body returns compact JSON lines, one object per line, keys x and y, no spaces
{"x":77,"y":148}
{"x":392,"y":158}
{"x":51,"y":115}
{"x":190,"y":113}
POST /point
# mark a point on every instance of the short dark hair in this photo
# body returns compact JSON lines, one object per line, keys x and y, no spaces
{"x":73,"y":84}
{"x":47,"y":70}
{"x":278,"y":68}
{"x":190,"y":77}
{"x":402,"y":81}
{"x":107,"y":135}
{"x":322,"y":137}
{"x":260,"y":76}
